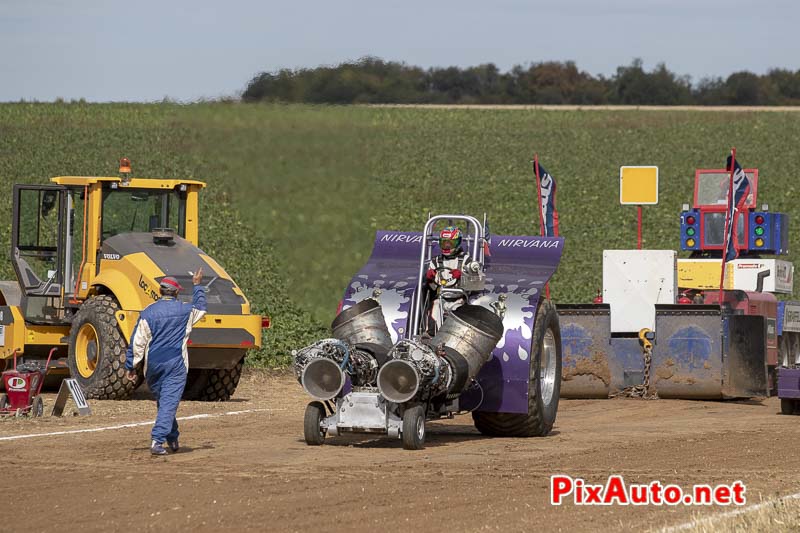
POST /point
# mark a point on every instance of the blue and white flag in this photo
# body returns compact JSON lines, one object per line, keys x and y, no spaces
{"x":547,"y":191}
{"x":736,"y":201}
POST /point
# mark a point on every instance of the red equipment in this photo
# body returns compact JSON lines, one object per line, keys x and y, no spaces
{"x":23,"y":386}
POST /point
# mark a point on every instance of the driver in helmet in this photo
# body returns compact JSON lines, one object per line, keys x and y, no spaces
{"x":444,"y":272}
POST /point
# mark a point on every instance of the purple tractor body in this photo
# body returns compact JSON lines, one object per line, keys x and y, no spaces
{"x":490,"y":345}
{"x":518,"y":267}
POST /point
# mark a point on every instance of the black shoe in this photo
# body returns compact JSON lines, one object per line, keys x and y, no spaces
{"x":173,"y":445}
{"x":157,"y":449}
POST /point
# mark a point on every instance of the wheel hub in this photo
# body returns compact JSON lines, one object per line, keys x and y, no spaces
{"x":86,"y":350}
{"x":548,"y":366}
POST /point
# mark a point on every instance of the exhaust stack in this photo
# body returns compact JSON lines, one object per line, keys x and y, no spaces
{"x":448,"y":363}
{"x":364,"y":327}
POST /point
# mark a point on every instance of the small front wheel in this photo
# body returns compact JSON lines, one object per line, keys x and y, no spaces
{"x":414,"y":428}
{"x":37,"y":407}
{"x":312,"y":424}
{"x":3,"y":401}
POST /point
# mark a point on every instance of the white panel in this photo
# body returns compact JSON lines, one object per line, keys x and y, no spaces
{"x":791,"y":317}
{"x":780,"y":278}
{"x":633,"y":282}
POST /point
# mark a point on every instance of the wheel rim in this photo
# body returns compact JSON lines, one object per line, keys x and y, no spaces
{"x":548,"y":366}
{"x":86,"y":350}
{"x":420,"y":428}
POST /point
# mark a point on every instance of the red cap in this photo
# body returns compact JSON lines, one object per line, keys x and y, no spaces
{"x":171,"y":282}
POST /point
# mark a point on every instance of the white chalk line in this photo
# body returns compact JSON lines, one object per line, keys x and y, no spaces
{"x":736,"y":512}
{"x":134,"y":424}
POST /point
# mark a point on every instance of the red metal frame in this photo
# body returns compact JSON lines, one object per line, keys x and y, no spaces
{"x":719,"y":209}
{"x":753,"y":186}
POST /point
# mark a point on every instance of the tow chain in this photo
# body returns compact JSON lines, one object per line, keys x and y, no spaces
{"x":641,"y":391}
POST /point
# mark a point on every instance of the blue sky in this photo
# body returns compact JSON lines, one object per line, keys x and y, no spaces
{"x":146,"y":50}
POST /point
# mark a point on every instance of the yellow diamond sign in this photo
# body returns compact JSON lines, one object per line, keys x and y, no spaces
{"x":638,"y":185}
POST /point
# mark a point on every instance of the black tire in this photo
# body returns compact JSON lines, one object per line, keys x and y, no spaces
{"x":787,"y":406}
{"x":107,"y":379}
{"x":212,"y":385}
{"x":312,"y":431}
{"x":3,"y":401}
{"x":542,"y":401}
{"x":414,"y":428}
{"x":37,"y":407}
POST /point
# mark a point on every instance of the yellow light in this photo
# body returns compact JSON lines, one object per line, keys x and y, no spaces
{"x":124,"y":166}
{"x":759,"y":242}
{"x":690,"y":243}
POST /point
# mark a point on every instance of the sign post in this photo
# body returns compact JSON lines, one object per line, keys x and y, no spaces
{"x":728,"y":224}
{"x":638,"y":185}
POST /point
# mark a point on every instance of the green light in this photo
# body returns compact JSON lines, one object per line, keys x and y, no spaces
{"x":759,"y":230}
{"x":689,"y":231}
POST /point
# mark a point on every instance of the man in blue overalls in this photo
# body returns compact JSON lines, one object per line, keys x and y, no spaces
{"x":159,"y":339}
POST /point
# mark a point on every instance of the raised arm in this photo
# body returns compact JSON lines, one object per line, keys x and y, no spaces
{"x":198,"y":296}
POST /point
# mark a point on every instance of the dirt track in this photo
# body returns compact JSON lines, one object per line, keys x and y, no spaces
{"x":253,"y":471}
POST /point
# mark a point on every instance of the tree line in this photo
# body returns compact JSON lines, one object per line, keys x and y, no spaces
{"x":373,"y":80}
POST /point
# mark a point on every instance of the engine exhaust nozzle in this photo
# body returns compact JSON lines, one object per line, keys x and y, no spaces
{"x":398,"y":381}
{"x":322,"y":379}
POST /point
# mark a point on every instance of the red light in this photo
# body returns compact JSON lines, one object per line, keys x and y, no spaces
{"x":246,"y":343}
{"x":759,"y":219}
{"x":690,"y":220}
{"x":266,"y":322}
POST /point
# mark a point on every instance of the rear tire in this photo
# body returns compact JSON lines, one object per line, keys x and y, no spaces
{"x":414,"y":428}
{"x":787,"y":406}
{"x":212,"y":385}
{"x":544,"y":386}
{"x":37,"y":407}
{"x":96,"y":356}
{"x":312,"y":429}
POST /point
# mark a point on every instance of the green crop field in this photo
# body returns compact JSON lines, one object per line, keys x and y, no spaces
{"x":296,"y":192}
